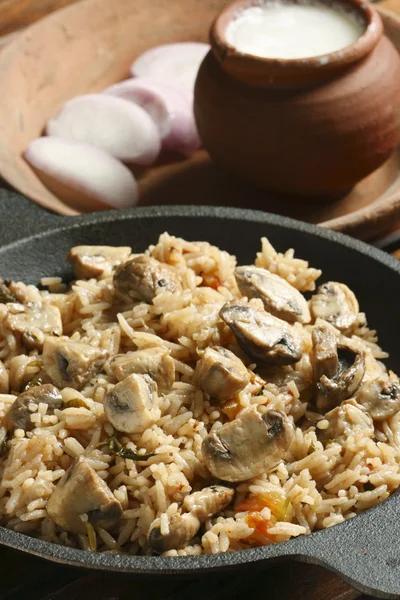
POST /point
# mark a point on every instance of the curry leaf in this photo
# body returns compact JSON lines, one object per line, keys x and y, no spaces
{"x":117,"y":449}
{"x":127,"y":453}
{"x":33,"y":383}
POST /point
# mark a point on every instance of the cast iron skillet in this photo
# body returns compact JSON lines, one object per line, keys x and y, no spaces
{"x":365,"y":551}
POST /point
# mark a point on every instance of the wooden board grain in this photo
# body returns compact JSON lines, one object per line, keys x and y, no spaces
{"x":109,"y":34}
{"x":23,"y":576}
{"x":16,"y":14}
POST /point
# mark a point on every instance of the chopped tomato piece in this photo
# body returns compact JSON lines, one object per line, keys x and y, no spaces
{"x":279,"y":505}
{"x":211,"y":281}
{"x":257,"y":522}
{"x":260,"y":526}
{"x":252,"y":503}
{"x":231,"y":409}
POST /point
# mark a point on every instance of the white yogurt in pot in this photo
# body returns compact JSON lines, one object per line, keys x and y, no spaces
{"x":282,"y":30}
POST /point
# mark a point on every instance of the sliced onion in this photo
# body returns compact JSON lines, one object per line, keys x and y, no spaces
{"x":119,"y":127}
{"x":176,"y":64}
{"x":171,"y":109}
{"x":84,"y":176}
{"x":141,"y":92}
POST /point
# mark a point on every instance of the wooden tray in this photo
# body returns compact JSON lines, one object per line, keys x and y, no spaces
{"x":89,"y":45}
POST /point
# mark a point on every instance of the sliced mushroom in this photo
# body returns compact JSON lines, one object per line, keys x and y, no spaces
{"x":94,"y":261}
{"x":82,"y":492}
{"x":4,"y":379}
{"x":71,"y":364}
{"x":142,"y":278}
{"x":19,"y":415}
{"x":338,"y":368}
{"x":262,"y":336}
{"x":248,"y":446}
{"x":208,"y":501}
{"x":335,"y":302}
{"x":131,"y":406}
{"x":380,"y":397}
{"x":184,"y":526}
{"x":326,"y":360}
{"x":155,"y":362}
{"x":344,"y":420}
{"x":33,"y":323}
{"x":279,"y":297}
{"x":221,"y":373}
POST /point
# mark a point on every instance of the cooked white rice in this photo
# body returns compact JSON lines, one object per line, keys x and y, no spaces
{"x":322,"y":484}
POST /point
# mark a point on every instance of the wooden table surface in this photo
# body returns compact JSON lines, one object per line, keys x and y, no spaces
{"x":24,"y":576}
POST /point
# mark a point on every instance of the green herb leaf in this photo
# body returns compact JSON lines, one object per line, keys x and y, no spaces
{"x":75,"y":403}
{"x":91,"y":536}
{"x":127,"y":453}
{"x":36,"y":363}
{"x":33,"y":383}
{"x":117,"y":449}
{"x":114,"y":445}
{"x":260,"y":391}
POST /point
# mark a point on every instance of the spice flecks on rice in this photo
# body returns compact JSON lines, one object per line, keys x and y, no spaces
{"x":343,"y":457}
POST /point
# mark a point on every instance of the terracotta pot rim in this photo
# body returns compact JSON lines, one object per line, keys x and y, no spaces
{"x":249,"y":67}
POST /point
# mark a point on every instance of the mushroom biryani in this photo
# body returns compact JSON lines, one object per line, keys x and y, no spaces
{"x":174,"y":403}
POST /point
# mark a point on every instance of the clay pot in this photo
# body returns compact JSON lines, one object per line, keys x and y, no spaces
{"x":311,"y":126}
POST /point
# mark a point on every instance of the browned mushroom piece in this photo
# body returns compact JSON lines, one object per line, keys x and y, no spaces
{"x":248,"y":446}
{"x":71,"y":364}
{"x":183,"y":526}
{"x":33,"y":322}
{"x":221,"y":374}
{"x":142,"y":278}
{"x":82,"y":493}
{"x":132,"y":405}
{"x":279,"y":297}
{"x":262,"y":336}
{"x":6,"y":295}
{"x":155,"y":362}
{"x":380,"y":397}
{"x":338,"y":368}
{"x":335,"y":303}
{"x":93,"y":261}
{"x":208,"y":501}
{"x":325,"y":354}
{"x":19,"y":415}
{"x":4,"y":379}
{"x":347,"y":380}
{"x":346,"y":419}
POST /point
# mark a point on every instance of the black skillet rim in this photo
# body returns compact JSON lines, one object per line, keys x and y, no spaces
{"x":340,"y":548}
